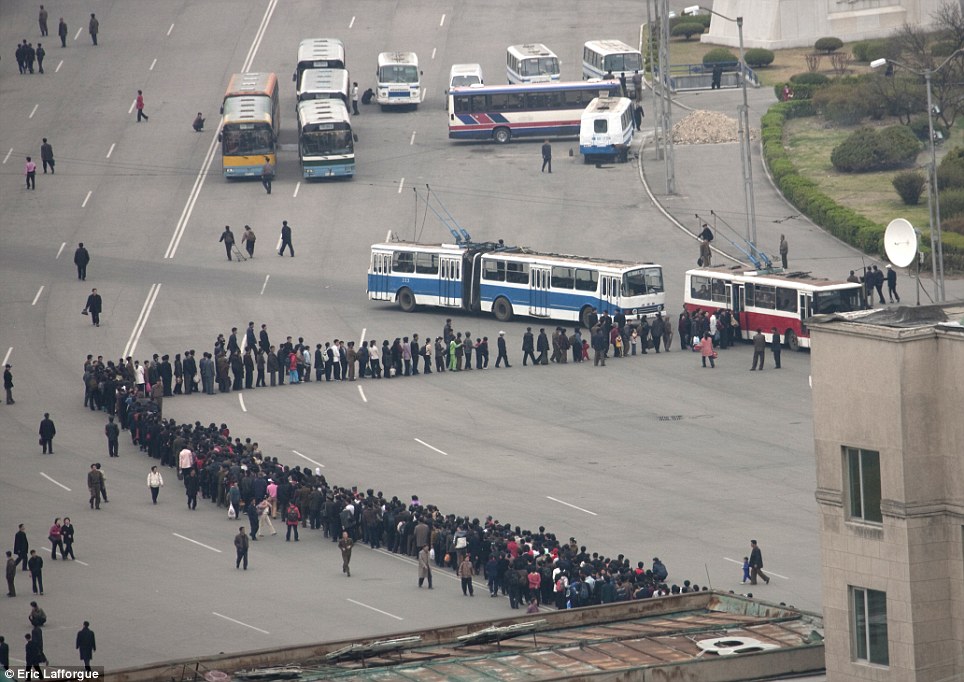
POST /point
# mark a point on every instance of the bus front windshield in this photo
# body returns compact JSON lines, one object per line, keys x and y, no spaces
{"x":398,"y":73}
{"x":539,"y":66}
{"x":836,"y":301}
{"x":616,"y":63}
{"x":643,"y":281}
{"x":247,"y":140}
{"x":326,"y":142}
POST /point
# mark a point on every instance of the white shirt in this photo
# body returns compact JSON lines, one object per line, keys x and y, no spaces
{"x":154,"y":480}
{"x":139,"y":374}
{"x":712,"y":324}
{"x":185,"y":459}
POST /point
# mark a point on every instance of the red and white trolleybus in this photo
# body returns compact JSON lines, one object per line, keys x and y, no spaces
{"x":763,"y":300}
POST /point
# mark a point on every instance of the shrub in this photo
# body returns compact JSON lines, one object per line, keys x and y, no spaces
{"x":869,"y":50}
{"x":868,"y":150}
{"x":719,"y":55}
{"x":921,"y":127}
{"x":846,"y":102}
{"x":901,"y":143}
{"x":758,"y":56}
{"x":687,"y":29}
{"x":953,"y":224}
{"x":952,"y":202}
{"x":800,"y":90}
{"x":909,"y":185}
{"x":828,"y":45}
{"x":950,"y":172}
{"x":809,"y":79}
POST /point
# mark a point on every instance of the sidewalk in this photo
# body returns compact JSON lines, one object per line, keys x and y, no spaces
{"x":709,"y":177}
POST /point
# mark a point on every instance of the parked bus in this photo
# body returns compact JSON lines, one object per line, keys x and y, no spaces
{"x":530,"y":110}
{"x":251,"y":121}
{"x":319,"y":53}
{"x":767,"y":300}
{"x":326,"y":144}
{"x":606,"y":129}
{"x":531,"y":63}
{"x":324,"y":84}
{"x":398,"y":79}
{"x":465,"y":76}
{"x":602,"y":57}
{"x":511,"y":281}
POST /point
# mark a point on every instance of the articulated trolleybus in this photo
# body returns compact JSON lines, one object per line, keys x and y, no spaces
{"x":251,"y":119}
{"x":508,"y":281}
{"x":763,"y":300}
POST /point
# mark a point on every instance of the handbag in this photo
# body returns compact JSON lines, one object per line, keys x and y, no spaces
{"x":41,"y":441}
{"x":84,"y":311}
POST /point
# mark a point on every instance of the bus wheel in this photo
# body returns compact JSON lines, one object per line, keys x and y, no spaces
{"x":793,"y":343}
{"x":584,"y":317}
{"x":502,"y":309}
{"x":406,"y":300}
{"x":502,"y":135}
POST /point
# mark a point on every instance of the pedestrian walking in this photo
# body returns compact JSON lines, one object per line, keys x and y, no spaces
{"x":503,"y":352}
{"x":546,"y":156}
{"x":878,"y":284}
{"x":93,"y":28}
{"x":285,"y":238}
{"x":94,"y":480}
{"x":33,"y":655}
{"x":227,"y":238}
{"x":138,"y":103}
{"x":11,"y":574}
{"x":466,"y":571}
{"x":30,"y":172}
{"x":81,"y":255}
{"x":29,"y":55}
{"x":424,"y":566}
{"x":41,"y":53}
{"x":62,"y":32}
{"x":241,"y":548}
{"x":67,"y":533}
{"x":21,"y":546}
{"x":706,"y":350}
{"x":112,"y":431}
{"x":8,"y":383}
{"x":86,"y":644}
{"x":717,"y":79}
{"x":354,"y":98}
{"x":42,"y":20}
{"x":35,"y":564}
{"x":103,"y":476}
{"x":94,"y":305}
{"x":21,"y":54}
{"x":267,"y":174}
{"x":759,"y":346}
{"x":784,"y":250}
{"x":775,"y":347}
{"x":756,"y":564}
{"x":47,"y":432}
{"x":56,"y":540}
{"x":345,"y":545}
{"x":264,"y":511}
{"x":892,"y":283}
{"x":248,"y":239}
{"x":154,"y":481}
{"x":4,"y":655}
{"x":292,"y":517}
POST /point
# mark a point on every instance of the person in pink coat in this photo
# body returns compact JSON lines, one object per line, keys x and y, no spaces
{"x":706,"y":350}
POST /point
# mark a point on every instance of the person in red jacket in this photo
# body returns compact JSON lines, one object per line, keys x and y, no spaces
{"x":292,"y":517}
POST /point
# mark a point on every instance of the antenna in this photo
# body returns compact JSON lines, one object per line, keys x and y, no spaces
{"x":900,"y":242}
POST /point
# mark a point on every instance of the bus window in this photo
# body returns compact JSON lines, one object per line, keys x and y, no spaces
{"x":562,"y":278}
{"x":600,"y":125}
{"x":786,"y":300}
{"x":836,"y":301}
{"x":763,"y":296}
{"x":426,"y":263}
{"x":517,"y":273}
{"x":496,"y":102}
{"x":493,"y":270}
{"x":403,"y":261}
{"x":587,"y":280}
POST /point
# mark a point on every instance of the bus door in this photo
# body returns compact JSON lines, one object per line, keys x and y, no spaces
{"x":381,"y":267}
{"x":609,"y":291}
{"x":450,"y":275}
{"x":738,"y":299}
{"x":539,"y":291}
{"x":805,"y":309}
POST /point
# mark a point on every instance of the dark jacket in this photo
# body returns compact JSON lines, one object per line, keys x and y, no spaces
{"x":94,"y":303}
{"x":47,"y":429}
{"x":86,"y":644}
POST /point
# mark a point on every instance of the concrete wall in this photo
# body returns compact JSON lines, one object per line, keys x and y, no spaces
{"x":778,"y":24}
{"x":900,"y":392}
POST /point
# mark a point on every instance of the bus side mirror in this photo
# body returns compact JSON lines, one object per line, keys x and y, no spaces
{"x":354,"y":136}
{"x":219,"y":137}
{"x":294,"y":77}
{"x":221,"y":111}
{"x":421,"y":73}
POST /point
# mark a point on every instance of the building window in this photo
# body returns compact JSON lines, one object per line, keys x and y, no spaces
{"x":863,"y":472}
{"x":868,"y":622}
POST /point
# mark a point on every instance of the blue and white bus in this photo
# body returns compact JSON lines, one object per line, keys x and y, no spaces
{"x":502,"y":112}
{"x":511,"y":281}
{"x":325,"y":139}
{"x":601,"y":57}
{"x":398,"y":79}
{"x":319,"y":53}
{"x":531,"y":63}
{"x":607,"y":129}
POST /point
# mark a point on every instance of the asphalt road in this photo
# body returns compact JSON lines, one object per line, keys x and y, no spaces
{"x":649,"y":456}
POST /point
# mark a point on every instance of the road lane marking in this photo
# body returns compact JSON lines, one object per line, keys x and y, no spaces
{"x":77,"y":35}
{"x":241,"y":400}
{"x":61,"y":249}
{"x":57,"y":70}
{"x":219,"y":615}
{"x":37,"y":297}
{"x":372,"y":608}
{"x":361,"y":341}
{"x":132,"y":106}
{"x":111,"y":150}
{"x":45,"y":475}
{"x":388,"y":236}
{"x":170,"y":29}
{"x":84,"y":205}
{"x":431,"y":447}
{"x":401,"y":183}
{"x":351,"y":23}
{"x":142,"y":319}
{"x":424,"y":94}
{"x":768,"y":572}
{"x":266,"y":278}
{"x":317,"y":464}
{"x":412,"y":141}
{"x":361,"y":392}
{"x":76,"y":561}
{"x":442,"y":21}
{"x":297,"y":187}
{"x":7,"y":157}
{"x":433,"y":52}
{"x":7,"y":356}
{"x":184,"y":537}
{"x":571,"y":505}
{"x":152,"y":64}
{"x":33,"y":111}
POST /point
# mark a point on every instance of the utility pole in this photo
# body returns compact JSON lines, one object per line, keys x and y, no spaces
{"x":666,"y":98}
{"x":650,"y":32}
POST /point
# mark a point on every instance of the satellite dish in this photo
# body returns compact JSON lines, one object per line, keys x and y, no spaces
{"x":900,"y":242}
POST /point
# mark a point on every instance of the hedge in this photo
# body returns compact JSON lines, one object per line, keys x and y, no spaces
{"x":840,"y":221}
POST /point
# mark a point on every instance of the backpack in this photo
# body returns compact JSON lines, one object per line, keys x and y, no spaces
{"x":292,"y":515}
{"x":583,"y":593}
{"x":347,"y":518}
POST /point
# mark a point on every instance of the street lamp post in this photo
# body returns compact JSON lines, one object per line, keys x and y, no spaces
{"x":746,"y":149}
{"x":933,"y":197}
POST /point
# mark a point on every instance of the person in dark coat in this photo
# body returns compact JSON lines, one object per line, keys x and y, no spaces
{"x":527,"y":347}
{"x":8,"y":383}
{"x":656,"y":331}
{"x":775,"y":348}
{"x":542,"y":345}
{"x":47,"y":433}
{"x":21,"y":546}
{"x":503,"y":354}
{"x":94,"y":306}
{"x":86,"y":644}
{"x":62,"y":32}
{"x":34,"y":655}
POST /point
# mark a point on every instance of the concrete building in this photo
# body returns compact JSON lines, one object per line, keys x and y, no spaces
{"x":778,"y":24}
{"x":888,"y":418}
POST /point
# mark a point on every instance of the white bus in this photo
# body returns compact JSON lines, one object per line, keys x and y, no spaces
{"x":319,"y":53}
{"x":602,"y":57}
{"x":465,"y":76}
{"x":511,"y":281}
{"x":324,"y":84}
{"x":531,"y":63}
{"x":325,"y":140}
{"x":606,"y":129}
{"x":398,"y":79}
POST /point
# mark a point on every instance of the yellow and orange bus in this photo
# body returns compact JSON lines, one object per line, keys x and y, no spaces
{"x":251,"y":120}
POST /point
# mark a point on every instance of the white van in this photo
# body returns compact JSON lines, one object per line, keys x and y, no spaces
{"x":606,"y":129}
{"x":465,"y":76}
